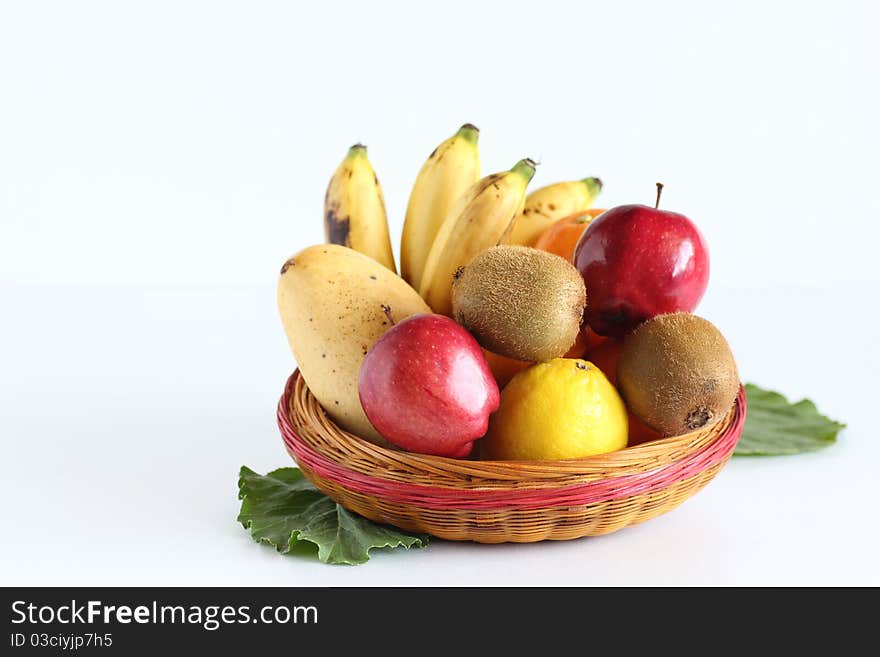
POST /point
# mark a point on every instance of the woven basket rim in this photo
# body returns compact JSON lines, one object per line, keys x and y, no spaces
{"x":315,"y":432}
{"x":500,"y":501}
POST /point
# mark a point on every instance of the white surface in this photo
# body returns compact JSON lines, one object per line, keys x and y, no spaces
{"x":127,"y":413}
{"x":158,"y":161}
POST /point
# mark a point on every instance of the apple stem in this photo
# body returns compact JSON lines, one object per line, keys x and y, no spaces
{"x":387,"y":311}
{"x":659,"y":191}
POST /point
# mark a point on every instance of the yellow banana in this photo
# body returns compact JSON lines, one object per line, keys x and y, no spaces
{"x":354,"y":209}
{"x":449,"y":171}
{"x":547,"y":205}
{"x":480,"y":218}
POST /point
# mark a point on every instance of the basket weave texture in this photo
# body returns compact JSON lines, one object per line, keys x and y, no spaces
{"x":502,"y":501}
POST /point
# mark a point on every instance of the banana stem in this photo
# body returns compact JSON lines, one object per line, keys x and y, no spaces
{"x":525,"y":168}
{"x":593,"y":184}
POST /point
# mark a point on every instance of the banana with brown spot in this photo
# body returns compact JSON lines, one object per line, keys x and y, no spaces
{"x":547,"y":205}
{"x":354,"y":209}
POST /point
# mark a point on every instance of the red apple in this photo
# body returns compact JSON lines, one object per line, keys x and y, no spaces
{"x":638,"y":262}
{"x":426,"y":386}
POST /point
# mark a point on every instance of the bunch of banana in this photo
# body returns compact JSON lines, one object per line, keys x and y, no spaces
{"x":449,"y":171}
{"x":547,"y":205}
{"x":452,"y":214}
{"x":481,"y":218}
{"x":354,"y":209}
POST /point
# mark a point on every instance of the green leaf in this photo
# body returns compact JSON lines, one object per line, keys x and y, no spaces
{"x":775,"y":426}
{"x":285,"y":510}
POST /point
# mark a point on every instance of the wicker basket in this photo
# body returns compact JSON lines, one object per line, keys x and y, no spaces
{"x":501,"y":501}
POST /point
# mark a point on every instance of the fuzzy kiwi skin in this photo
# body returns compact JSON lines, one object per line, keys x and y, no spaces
{"x":520,"y":302}
{"x":677,"y":374}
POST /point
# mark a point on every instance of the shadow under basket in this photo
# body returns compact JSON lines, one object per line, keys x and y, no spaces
{"x":501,"y":501}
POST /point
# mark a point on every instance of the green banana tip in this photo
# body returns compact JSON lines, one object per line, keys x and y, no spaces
{"x":593,"y":184}
{"x":525,"y":167}
{"x":469,"y":132}
{"x":357,"y":149}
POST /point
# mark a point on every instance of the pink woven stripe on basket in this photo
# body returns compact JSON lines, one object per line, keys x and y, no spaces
{"x":435,"y":497}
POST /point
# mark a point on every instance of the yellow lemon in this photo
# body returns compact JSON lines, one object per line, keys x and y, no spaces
{"x":561,"y":409}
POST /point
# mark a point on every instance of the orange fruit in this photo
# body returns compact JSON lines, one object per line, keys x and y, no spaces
{"x":592,"y":339}
{"x":605,"y":356}
{"x":580,"y":344}
{"x":562,"y":237}
{"x":503,"y":368}
{"x":639,"y":432}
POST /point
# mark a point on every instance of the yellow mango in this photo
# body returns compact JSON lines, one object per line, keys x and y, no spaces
{"x":332,"y":302}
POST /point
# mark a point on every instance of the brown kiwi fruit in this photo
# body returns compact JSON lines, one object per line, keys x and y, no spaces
{"x":520,"y":302}
{"x":677,"y":374}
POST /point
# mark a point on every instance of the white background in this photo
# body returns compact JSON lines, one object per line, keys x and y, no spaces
{"x":159,"y":161}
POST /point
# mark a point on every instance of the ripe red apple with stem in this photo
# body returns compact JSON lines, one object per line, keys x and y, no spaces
{"x":426,"y":386}
{"x":638,"y":262}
